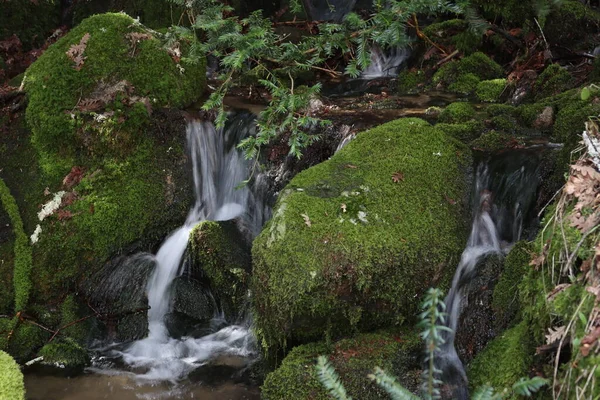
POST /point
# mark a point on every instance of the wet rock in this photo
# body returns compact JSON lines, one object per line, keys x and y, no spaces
{"x":64,"y":358}
{"x":524,"y":86}
{"x":546,"y":119}
{"x":192,"y":309}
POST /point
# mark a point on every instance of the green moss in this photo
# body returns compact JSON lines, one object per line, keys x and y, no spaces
{"x":495,"y":110}
{"x":465,"y":84}
{"x":528,"y":113}
{"x":504,"y":360}
{"x":353,"y":359}
{"x":65,"y":355}
{"x":505,"y":302}
{"x":55,"y":87}
{"x":23,"y":258}
{"x":346,"y":246}
{"x":410,"y":81}
{"x":26,"y":339}
{"x":554,"y":80}
{"x":465,"y":132}
{"x":11,"y":384}
{"x":455,"y":32}
{"x":222,"y":259}
{"x":490,"y":91}
{"x":572,"y":24}
{"x":457,"y":113}
{"x":481,"y":65}
{"x":71,"y":311}
{"x":504,"y":123}
{"x":492,"y":141}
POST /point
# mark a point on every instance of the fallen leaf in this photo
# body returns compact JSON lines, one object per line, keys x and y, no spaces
{"x":449,"y":200}
{"x":73,"y":177}
{"x":351,"y":166}
{"x":64,"y":215}
{"x":306,"y":220}
{"x":75,"y":52}
{"x":554,"y":292}
{"x":588,"y":341}
{"x":343,"y":207}
{"x":555,"y":334}
{"x":47,"y":191}
{"x":397,"y":176}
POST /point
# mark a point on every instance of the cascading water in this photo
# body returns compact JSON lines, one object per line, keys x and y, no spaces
{"x":505,"y":192}
{"x":385,"y":63}
{"x":218,"y":170}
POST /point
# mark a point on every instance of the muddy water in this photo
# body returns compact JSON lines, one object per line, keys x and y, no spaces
{"x":124,"y":387}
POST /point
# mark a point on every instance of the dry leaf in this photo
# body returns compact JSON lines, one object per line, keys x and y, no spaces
{"x":449,"y":200}
{"x":555,"y":334}
{"x":589,"y":340}
{"x":343,"y":207}
{"x":75,"y":52}
{"x":306,"y":220}
{"x":397,"y":176}
{"x":557,"y":290}
{"x":351,"y":166}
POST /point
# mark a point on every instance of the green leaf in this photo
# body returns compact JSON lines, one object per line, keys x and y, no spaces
{"x":391,"y":385}
{"x":585,"y":93}
{"x":526,"y":387}
{"x":330,"y":379}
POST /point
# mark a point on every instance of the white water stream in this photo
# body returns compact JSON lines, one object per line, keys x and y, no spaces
{"x":218,"y":170}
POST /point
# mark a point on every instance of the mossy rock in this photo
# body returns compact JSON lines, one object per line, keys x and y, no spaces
{"x":510,"y":12}
{"x":346,"y":246}
{"x":491,"y":91}
{"x":477,"y":64}
{"x":11,"y":383}
{"x":465,"y":132}
{"x":26,"y":339}
{"x":458,"y":112}
{"x":465,"y":84}
{"x":455,"y":32}
{"x":353,"y":359}
{"x":493,"y":141}
{"x":504,"y":361}
{"x":65,"y":357}
{"x":506,"y":299}
{"x":124,"y":69}
{"x":154,"y":14}
{"x":411,"y":81}
{"x":528,"y":113}
{"x":221,"y":258}
{"x":553,"y":80}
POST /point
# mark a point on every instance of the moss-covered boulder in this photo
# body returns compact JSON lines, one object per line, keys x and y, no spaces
{"x":457,"y":113}
{"x":493,"y":141}
{"x":220,"y":257}
{"x":465,"y":132}
{"x":65,"y":357}
{"x":491,"y":90}
{"x":11,"y":383}
{"x":461,"y":74}
{"x":411,"y":81}
{"x":349,"y":244}
{"x":553,"y":80}
{"x":92,"y":92}
{"x":353,"y":359}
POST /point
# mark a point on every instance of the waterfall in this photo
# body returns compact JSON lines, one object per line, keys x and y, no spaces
{"x":505,"y":192}
{"x":218,"y":170}
{"x":385,"y":63}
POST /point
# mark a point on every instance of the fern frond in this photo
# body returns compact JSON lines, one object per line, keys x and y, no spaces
{"x":391,"y":385}
{"x":528,"y":386}
{"x":330,"y":379}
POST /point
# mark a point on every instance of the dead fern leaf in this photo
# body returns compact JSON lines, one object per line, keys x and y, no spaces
{"x":75,"y":52}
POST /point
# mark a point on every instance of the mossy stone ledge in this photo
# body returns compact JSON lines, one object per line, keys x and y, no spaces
{"x":11,"y":383}
{"x":355,"y":241}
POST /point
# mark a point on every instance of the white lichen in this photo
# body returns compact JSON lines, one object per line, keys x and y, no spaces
{"x":35,"y":237}
{"x":50,"y":207}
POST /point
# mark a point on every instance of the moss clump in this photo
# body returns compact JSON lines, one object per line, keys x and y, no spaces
{"x":27,"y":338}
{"x":572,"y":24}
{"x":454,"y":32}
{"x":220,"y":254}
{"x":411,"y":81}
{"x":67,"y":355}
{"x":478,"y":64}
{"x":528,"y":113}
{"x":128,"y":73}
{"x":494,"y":110}
{"x":554,"y":80}
{"x":490,"y":91}
{"x":353,"y":359}
{"x":11,"y":383}
{"x":493,"y":141}
{"x":465,"y":84}
{"x":465,"y":132}
{"x":504,"y":360}
{"x":70,"y":312}
{"x":23,"y":257}
{"x":346,"y":246}
{"x":457,"y":113}
{"x":505,"y":301}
